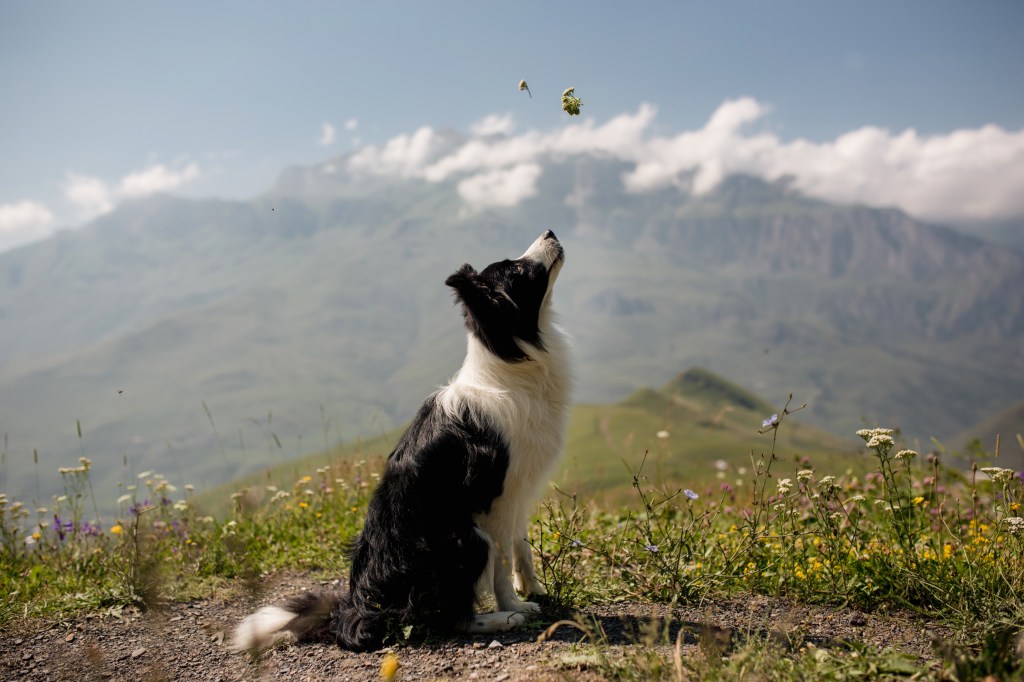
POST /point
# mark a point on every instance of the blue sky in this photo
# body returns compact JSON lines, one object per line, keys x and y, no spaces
{"x":103,"y":101}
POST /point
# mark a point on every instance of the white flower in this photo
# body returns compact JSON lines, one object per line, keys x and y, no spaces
{"x":1016,"y":525}
{"x":998,"y":474}
{"x":879,"y":440}
{"x":804,"y":475}
{"x":784,"y":485}
{"x":906,"y":455}
{"x":663,"y":434}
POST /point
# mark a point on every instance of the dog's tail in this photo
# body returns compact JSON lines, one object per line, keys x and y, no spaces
{"x":313,"y":616}
{"x":300,"y":618}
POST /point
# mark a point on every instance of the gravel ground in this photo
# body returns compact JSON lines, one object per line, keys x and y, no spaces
{"x":187,"y":641}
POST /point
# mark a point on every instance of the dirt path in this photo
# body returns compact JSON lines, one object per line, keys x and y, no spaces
{"x":186,"y":642}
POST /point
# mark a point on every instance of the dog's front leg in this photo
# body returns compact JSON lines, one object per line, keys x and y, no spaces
{"x":523,"y":576}
{"x":501,"y":525}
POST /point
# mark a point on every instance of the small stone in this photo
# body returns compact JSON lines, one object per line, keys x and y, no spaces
{"x":502,"y":677}
{"x":138,"y":652}
{"x":478,"y":645}
{"x":495,"y":644}
{"x":70,"y":637}
{"x":858,"y":619}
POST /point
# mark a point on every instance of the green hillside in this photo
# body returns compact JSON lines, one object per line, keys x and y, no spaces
{"x":685,"y":428}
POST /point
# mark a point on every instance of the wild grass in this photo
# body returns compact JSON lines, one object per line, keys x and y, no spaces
{"x":912,"y":533}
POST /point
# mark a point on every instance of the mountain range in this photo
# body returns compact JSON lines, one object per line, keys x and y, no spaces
{"x":207,"y":337}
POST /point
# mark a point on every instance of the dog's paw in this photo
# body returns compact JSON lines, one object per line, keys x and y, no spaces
{"x":496,"y":622}
{"x":537,"y":589}
{"x":518,"y":606}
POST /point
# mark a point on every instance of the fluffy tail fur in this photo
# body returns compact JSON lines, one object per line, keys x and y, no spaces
{"x":313,"y":616}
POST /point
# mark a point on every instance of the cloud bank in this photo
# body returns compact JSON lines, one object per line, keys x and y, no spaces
{"x":92,"y":196}
{"x":963,"y":175}
{"x":22,"y":222}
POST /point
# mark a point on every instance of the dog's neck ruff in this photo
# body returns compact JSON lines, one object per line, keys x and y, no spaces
{"x":511,"y":393}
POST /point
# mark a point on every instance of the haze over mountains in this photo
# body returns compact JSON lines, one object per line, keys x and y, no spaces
{"x":317,"y":312}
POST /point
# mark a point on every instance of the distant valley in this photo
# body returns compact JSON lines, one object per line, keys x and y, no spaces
{"x":215,"y":337}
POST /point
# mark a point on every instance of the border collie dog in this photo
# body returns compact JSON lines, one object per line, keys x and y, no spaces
{"x":446,"y":528}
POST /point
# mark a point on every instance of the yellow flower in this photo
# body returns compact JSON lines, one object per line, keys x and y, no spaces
{"x":389,"y":666}
{"x":354,"y":508}
{"x":36,"y":536}
{"x":918,"y":500}
{"x":303,"y":505}
{"x":116,"y":529}
{"x":306,"y":479}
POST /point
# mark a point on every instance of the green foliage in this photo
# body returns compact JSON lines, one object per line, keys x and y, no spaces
{"x":906,"y":532}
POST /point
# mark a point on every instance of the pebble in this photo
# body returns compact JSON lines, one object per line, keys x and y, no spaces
{"x":70,"y":637}
{"x":138,"y":652}
{"x":495,"y":644}
{"x":858,"y":619}
{"x":502,"y":677}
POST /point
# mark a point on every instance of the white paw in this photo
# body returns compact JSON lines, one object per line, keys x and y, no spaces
{"x":520,"y":606}
{"x":537,"y":589}
{"x":496,"y":622}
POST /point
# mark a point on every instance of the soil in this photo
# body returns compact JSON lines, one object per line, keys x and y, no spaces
{"x":186,"y":641}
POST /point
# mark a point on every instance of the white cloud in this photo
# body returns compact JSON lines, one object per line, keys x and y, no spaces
{"x":965,"y":174}
{"x":89,"y":195}
{"x":402,"y":156}
{"x":351,"y":124}
{"x":502,"y":187}
{"x":157,"y":178}
{"x":327,"y":135}
{"x":22,"y":222}
{"x":92,"y":197}
{"x":493,"y":125}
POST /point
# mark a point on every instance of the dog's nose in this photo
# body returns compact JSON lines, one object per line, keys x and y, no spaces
{"x":548,"y":234}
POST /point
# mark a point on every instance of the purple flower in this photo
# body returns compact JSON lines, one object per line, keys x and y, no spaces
{"x":690,"y":495}
{"x":62,"y":527}
{"x":771,"y":421}
{"x":653,"y":549}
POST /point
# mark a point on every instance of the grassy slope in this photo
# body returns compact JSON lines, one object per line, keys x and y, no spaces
{"x":707,"y":418}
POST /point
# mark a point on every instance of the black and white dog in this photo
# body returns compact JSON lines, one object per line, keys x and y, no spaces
{"x":446,"y":527}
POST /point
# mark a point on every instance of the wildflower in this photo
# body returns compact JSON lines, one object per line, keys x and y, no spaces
{"x":663,"y":434}
{"x":653,"y":549}
{"x":144,"y":474}
{"x":827,"y":482}
{"x":303,"y":505}
{"x":918,"y":500}
{"x":879,"y":440}
{"x":31,"y":539}
{"x":770,"y":422}
{"x":804,"y":475}
{"x":86,"y":462}
{"x":305,"y":479}
{"x":389,"y":666}
{"x":570,"y":104}
{"x":690,"y":495}
{"x":906,"y":455}
{"x":867,"y":434}
{"x":784,"y":485}
{"x":1015,"y":525}
{"x":721,"y":464}
{"x":524,"y":86}
{"x":189,"y":487}
{"x":998,"y":474}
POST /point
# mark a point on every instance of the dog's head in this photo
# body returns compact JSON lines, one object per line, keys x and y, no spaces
{"x":504,"y":302}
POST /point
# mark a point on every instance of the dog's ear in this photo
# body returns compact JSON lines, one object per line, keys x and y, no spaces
{"x":461,"y":279}
{"x":473,"y":292}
